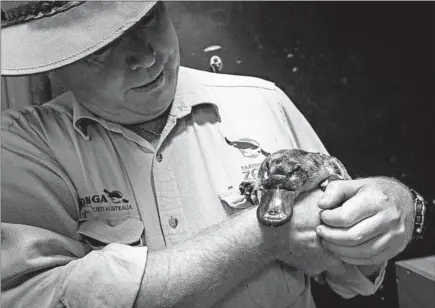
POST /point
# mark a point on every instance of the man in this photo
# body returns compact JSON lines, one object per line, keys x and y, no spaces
{"x":121,"y":191}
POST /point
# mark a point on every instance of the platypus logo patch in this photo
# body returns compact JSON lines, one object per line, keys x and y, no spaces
{"x":248,"y":147}
{"x":115,"y":196}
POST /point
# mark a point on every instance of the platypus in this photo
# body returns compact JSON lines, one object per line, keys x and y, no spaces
{"x":285,"y":174}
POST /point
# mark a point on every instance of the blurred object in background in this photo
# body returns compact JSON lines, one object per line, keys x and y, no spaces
{"x":212,"y":48}
{"x":416,"y":282}
{"x":216,"y":64}
{"x":25,"y":90}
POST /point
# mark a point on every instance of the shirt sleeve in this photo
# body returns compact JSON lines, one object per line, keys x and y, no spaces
{"x":43,"y":261}
{"x":353,"y":282}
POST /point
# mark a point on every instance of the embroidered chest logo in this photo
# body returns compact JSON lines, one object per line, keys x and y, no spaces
{"x":248,"y":147}
{"x":108,"y":201}
{"x":251,"y":149}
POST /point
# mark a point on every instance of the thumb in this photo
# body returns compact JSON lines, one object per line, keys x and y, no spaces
{"x":338,"y":192}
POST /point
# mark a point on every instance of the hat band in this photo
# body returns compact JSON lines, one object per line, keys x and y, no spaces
{"x":18,"y":12}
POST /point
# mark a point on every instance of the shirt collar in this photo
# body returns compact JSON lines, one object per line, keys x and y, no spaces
{"x":190,"y":93}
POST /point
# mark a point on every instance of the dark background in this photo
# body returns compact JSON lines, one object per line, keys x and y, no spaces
{"x":361,"y":72}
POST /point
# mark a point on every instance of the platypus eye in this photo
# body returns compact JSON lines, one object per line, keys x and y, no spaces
{"x":295,"y":170}
{"x":267,"y":166}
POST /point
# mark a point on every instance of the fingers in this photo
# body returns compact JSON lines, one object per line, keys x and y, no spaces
{"x":374,"y":251}
{"x":363,"y":251}
{"x":337,"y":192}
{"x":355,"y":235}
{"x":381,"y":258}
{"x":350,"y":213}
{"x":369,"y":227}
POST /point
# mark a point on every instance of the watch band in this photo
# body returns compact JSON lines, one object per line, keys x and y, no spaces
{"x":420,"y":211}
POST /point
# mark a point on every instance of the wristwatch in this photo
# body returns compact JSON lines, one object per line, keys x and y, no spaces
{"x":419,"y":219}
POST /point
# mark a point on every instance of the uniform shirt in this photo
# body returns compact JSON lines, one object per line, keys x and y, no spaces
{"x":84,"y":200}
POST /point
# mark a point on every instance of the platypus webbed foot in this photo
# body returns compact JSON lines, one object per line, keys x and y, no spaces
{"x":249,"y":190}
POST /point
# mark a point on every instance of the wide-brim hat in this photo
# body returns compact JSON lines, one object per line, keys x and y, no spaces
{"x":39,"y":36}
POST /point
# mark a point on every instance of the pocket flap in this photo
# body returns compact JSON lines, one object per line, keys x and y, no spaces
{"x":233,"y":199}
{"x":99,"y":233}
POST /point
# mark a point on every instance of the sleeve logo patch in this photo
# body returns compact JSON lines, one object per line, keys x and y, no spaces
{"x":108,"y":201}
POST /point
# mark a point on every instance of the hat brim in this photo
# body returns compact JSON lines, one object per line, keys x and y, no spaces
{"x":51,"y":42}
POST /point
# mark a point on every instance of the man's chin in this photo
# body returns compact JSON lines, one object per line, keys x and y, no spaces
{"x":140,"y":117}
{"x":134,"y":120}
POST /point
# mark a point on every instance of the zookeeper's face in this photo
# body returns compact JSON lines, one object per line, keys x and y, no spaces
{"x":133,"y":79}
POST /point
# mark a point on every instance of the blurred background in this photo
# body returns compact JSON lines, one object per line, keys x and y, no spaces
{"x":362,"y":73}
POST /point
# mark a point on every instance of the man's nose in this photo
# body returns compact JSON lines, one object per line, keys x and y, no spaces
{"x":140,"y":54}
{"x":141,"y":57}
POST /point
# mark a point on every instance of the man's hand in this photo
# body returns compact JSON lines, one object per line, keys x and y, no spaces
{"x":299,"y":246}
{"x":373,"y":224}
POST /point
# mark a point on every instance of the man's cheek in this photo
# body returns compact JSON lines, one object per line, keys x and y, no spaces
{"x":112,"y":82}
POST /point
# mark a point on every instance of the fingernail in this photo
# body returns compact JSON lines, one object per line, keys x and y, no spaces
{"x":319,"y":230}
{"x":326,"y":197}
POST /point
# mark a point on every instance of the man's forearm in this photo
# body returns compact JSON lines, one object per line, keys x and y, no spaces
{"x":200,"y":271}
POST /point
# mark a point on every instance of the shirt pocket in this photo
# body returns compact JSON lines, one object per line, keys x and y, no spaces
{"x":97,"y":234}
{"x":233,"y":200}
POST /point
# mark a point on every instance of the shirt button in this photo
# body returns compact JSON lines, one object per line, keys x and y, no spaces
{"x":173,"y":222}
{"x":159,"y":157}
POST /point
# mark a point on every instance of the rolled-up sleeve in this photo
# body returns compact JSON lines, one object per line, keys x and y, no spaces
{"x":43,"y":261}
{"x":353,"y":282}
